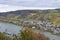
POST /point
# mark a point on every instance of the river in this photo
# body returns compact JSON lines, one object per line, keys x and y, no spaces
{"x":9,"y":28}
{"x":51,"y":36}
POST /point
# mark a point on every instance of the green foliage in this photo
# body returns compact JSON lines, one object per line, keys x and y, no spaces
{"x":4,"y":37}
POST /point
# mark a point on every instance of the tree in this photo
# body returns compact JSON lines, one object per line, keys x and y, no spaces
{"x":28,"y":34}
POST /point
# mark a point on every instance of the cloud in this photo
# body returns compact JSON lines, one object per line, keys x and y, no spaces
{"x":32,"y":3}
{"x":22,"y":0}
{"x":12,"y":5}
{"x":6,"y":8}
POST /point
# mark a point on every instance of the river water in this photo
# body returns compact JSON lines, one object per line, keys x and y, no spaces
{"x":14,"y":29}
{"x":9,"y":28}
{"x":51,"y":36}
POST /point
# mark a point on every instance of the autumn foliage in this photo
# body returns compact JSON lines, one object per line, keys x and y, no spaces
{"x":28,"y":34}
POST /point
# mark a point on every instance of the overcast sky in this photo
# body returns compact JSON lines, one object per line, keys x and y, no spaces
{"x":7,"y":5}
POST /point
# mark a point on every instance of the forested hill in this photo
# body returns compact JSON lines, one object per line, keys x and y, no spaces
{"x":17,"y":12}
{"x":26,"y":12}
{"x":37,"y":15}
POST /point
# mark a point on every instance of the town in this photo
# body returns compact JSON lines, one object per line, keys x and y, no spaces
{"x":43,"y":25}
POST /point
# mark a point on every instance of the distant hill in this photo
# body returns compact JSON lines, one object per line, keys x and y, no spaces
{"x":49,"y":14}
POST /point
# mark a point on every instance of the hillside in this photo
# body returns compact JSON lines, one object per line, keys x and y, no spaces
{"x":34,"y":15}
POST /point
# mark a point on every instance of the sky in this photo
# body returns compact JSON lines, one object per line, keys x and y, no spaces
{"x":8,"y":5}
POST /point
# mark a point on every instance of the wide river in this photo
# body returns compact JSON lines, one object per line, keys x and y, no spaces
{"x":9,"y":28}
{"x":14,"y":29}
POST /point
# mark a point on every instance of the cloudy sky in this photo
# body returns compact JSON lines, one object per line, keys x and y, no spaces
{"x":7,"y":5}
